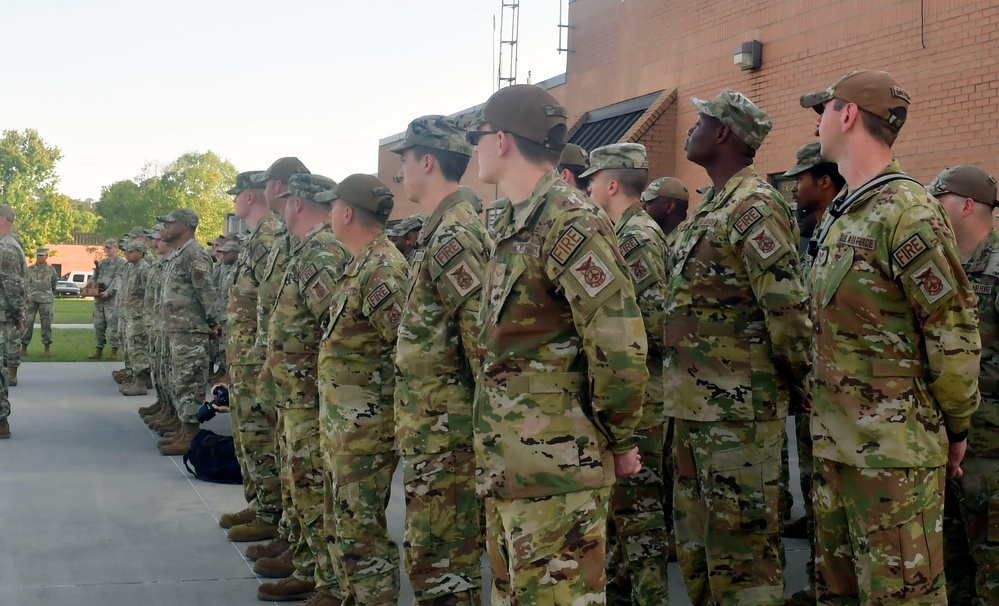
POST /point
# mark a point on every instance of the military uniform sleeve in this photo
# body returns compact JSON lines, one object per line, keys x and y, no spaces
{"x":584,"y":261}
{"x":320,"y":270}
{"x":645,"y":256}
{"x":205,"y":290}
{"x":926,"y":264}
{"x":383,"y":297}
{"x":13,"y":283}
{"x":456,"y":267}
{"x":762,"y":232}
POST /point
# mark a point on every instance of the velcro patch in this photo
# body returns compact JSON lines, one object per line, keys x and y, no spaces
{"x":258,"y":252}
{"x":571,"y":240}
{"x":707,"y":222}
{"x":449,"y":251}
{"x":526,"y":248}
{"x":909,"y":251}
{"x":418,"y":256}
{"x":764,"y":243}
{"x":393,"y":313}
{"x":307,"y":273}
{"x":639,"y":270}
{"x":629,"y":245}
{"x":857,"y":241}
{"x":379,"y":295}
{"x":592,"y":274}
{"x":981,"y":289}
{"x":318,"y":290}
{"x":201,"y":266}
{"x":463,"y":279}
{"x":747,"y":220}
{"x":931,"y":282}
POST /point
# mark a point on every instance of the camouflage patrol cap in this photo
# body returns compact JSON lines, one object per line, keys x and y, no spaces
{"x":364,"y":191}
{"x":110,"y":242}
{"x":574,"y":156}
{"x":7,"y":212}
{"x":42,"y":252}
{"x":874,"y":91}
{"x":281,"y":170}
{"x":808,"y":156}
{"x":967,"y":181}
{"x":404,"y":226}
{"x":307,"y":185}
{"x":155,"y":232}
{"x":244,"y":181}
{"x":230,"y":246}
{"x":617,"y":155}
{"x":181,"y":215}
{"x":133,"y":245}
{"x":435,"y":132}
{"x":472,"y":196}
{"x":736,"y":111}
{"x":528,"y":111}
{"x":666,"y":187}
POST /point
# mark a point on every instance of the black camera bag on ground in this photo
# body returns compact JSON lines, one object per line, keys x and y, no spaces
{"x":214,"y":458}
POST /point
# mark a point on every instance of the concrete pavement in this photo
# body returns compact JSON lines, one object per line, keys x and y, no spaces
{"x":91,"y":514}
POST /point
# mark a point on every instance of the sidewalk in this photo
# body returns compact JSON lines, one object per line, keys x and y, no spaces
{"x":91,"y":514}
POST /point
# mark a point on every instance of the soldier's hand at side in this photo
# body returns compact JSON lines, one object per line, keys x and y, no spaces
{"x":628,"y":463}
{"x":955,"y":454}
{"x":20,"y":324}
{"x":217,"y":331}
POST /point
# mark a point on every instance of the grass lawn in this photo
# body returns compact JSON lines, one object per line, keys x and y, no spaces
{"x":73,"y":311}
{"x":68,"y":345}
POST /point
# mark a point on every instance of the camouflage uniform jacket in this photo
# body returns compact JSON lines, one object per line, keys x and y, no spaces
{"x":187,"y":293}
{"x":437,"y":353}
{"x":241,"y":306}
{"x":896,"y":348}
{"x":356,"y":357}
{"x":737,"y":327}
{"x":563,"y":372}
{"x":41,"y":282}
{"x":135,"y":294}
{"x":643,"y":246}
{"x":226,"y":275}
{"x":151,"y":300}
{"x":271,"y":279}
{"x":982,"y":270}
{"x":105,"y":272}
{"x":12,"y":270}
{"x":296,"y":324}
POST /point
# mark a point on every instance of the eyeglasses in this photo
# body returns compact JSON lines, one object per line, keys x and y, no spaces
{"x":473,"y":136}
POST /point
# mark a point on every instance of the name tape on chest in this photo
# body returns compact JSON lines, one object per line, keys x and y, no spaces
{"x":463,"y":279}
{"x":258,"y":253}
{"x":909,"y":251}
{"x":592,"y":274}
{"x":707,"y":222}
{"x":747,"y":220}
{"x":857,"y":241}
{"x":378,"y":296}
{"x":570,"y":241}
{"x":526,"y":248}
{"x":450,"y":250}
{"x":981,"y":289}
{"x":931,"y":281}
{"x":764,"y":243}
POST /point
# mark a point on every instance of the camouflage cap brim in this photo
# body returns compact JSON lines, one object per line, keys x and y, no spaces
{"x":815,"y":100}
{"x":260,"y":177}
{"x":235,"y":190}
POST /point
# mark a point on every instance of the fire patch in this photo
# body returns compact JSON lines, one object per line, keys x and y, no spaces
{"x":764,"y":243}
{"x":592,"y":274}
{"x":463,"y":279}
{"x":931,"y":281}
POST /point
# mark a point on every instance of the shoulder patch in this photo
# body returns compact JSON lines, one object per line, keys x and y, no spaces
{"x":258,"y":252}
{"x":592,"y":274}
{"x":909,"y":250}
{"x":200,"y":266}
{"x":764,"y":243}
{"x":526,"y":248}
{"x":639,"y":270}
{"x":418,"y":256}
{"x":747,"y":220}
{"x":567,"y":244}
{"x":463,"y":279}
{"x":307,"y":273}
{"x":629,"y":245}
{"x":450,"y":250}
{"x":393,"y":313}
{"x":931,"y":281}
{"x":318,"y":290}
{"x":378,"y":295}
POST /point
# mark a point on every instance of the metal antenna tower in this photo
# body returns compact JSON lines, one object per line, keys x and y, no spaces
{"x":509,"y":32}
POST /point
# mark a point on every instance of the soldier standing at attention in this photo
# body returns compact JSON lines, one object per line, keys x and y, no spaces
{"x":187,"y":310}
{"x":666,"y":200}
{"x":136,"y":341}
{"x":736,"y":346}
{"x":968,"y":196}
{"x":437,"y":361}
{"x":356,"y":386}
{"x":563,"y":373}
{"x":229,"y":253}
{"x":162,"y":412}
{"x":572,"y":164}
{"x":895,"y":359}
{"x":40,"y":282}
{"x":12,"y":303}
{"x":316,"y":260}
{"x":105,"y":272}
{"x":638,"y":532}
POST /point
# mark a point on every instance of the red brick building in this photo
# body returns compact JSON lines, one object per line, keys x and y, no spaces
{"x":635,"y":64}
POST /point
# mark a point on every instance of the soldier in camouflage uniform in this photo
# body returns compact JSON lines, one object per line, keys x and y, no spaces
{"x":638,"y":533}
{"x":563,"y":373}
{"x":737,"y":335}
{"x":895,"y":358}
{"x":224,"y":279}
{"x":12,"y":303}
{"x":572,"y":164}
{"x":356,"y":386}
{"x":405,"y":234}
{"x":187,"y":310}
{"x":136,"y":341}
{"x":105,"y":272}
{"x":160,"y":411}
{"x":40,"y":281}
{"x":316,"y":261}
{"x":968,"y":195}
{"x":666,"y":200}
{"x":437,"y":361}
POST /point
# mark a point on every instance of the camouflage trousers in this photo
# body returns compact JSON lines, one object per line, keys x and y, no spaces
{"x":878,"y":535}
{"x":136,"y":344}
{"x":959,"y":564}
{"x":364,"y":556}
{"x":13,"y":348}
{"x":803,"y":435}
{"x":119,"y":323}
{"x":445,"y":527}
{"x":638,"y":533}
{"x":242,"y":397}
{"x":981,"y":512}
{"x":302,"y":496}
{"x":158,"y":365}
{"x":548,"y":551}
{"x":725,"y":511}
{"x":6,"y":330}
{"x":105,"y":321}
{"x":44,"y":310}
{"x":188,"y":372}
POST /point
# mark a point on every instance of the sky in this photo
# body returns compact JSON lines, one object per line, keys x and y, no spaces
{"x":119,"y":84}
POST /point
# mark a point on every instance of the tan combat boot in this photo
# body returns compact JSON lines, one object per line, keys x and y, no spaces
{"x":228,"y":520}
{"x":48,"y":351}
{"x":183,"y":442}
{"x":152,"y":409}
{"x":12,"y":376}
{"x":256,"y":530}
{"x":97,"y":355}
{"x":114,"y":354}
{"x":286,"y":590}
{"x":268,"y":550}
{"x":137,"y":387}
{"x":120,"y":376}
{"x":322,"y":598}
{"x":4,"y":429}
{"x":275,"y":568}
